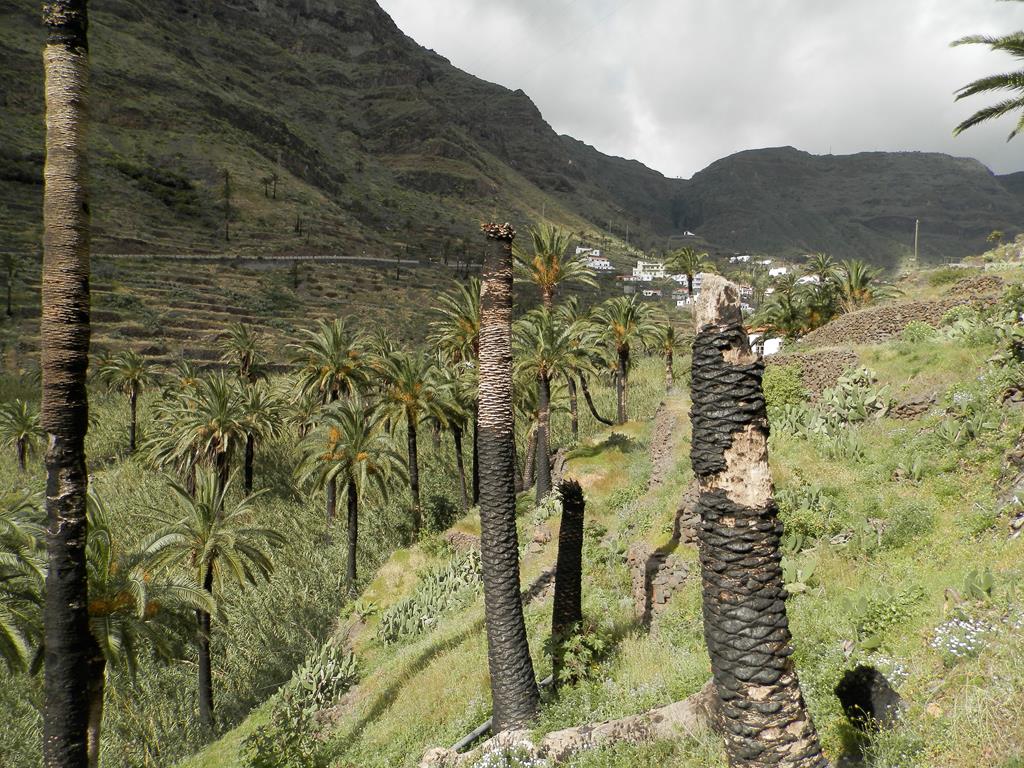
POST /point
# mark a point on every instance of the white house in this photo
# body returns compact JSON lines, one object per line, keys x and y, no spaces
{"x":647,"y":271}
{"x":763,"y":346}
{"x":809,"y":280}
{"x":652,"y":292}
{"x":598,"y":264}
{"x":778,"y":271}
{"x":745,"y":258}
{"x":584,"y":251}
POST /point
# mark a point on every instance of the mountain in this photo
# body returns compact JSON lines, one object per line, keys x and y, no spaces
{"x":318,"y":125}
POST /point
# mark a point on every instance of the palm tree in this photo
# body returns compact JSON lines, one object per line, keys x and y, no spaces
{"x":514,"y":690}
{"x":623,"y":322}
{"x":545,"y":349}
{"x":216,"y":542}
{"x":666,"y":344}
{"x":333,"y":360}
{"x":1013,"y":82}
{"x":19,"y":429}
{"x":261,"y":415}
{"x":350,"y":445}
{"x":129,"y":373}
{"x":64,"y":335}
{"x":857,"y":285}
{"x":244,"y":347}
{"x":688,"y":261}
{"x":458,"y":387}
{"x":129,"y":605}
{"x":411,"y":391}
{"x":547,"y":267}
{"x":765,"y":721}
{"x":210,"y":422}
{"x":22,"y":572}
{"x":823,"y":267}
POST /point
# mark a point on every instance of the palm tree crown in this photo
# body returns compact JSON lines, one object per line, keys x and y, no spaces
{"x":1011,"y":82}
{"x":19,"y":428}
{"x":457,"y":330}
{"x":22,"y":571}
{"x":333,"y":360}
{"x":244,"y":346}
{"x":547,"y":267}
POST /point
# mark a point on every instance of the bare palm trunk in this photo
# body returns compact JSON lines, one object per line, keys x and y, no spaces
{"x":133,"y":411}
{"x":513,"y":686}
{"x":21,"y":446}
{"x":353,"y":535}
{"x":621,"y":382}
{"x":590,"y":402}
{"x":765,"y":721}
{"x":547,"y":296}
{"x":574,"y":411}
{"x":97,"y":686}
{"x":460,"y":464}
{"x":530,"y":463}
{"x":567,"y":613}
{"x":670,"y":378}
{"x":64,"y":333}
{"x":223,"y":460}
{"x":250,"y":460}
{"x":414,"y":476}
{"x":205,"y":663}
{"x":543,"y":457}
{"x":476,"y":453}
{"x":332,"y":500}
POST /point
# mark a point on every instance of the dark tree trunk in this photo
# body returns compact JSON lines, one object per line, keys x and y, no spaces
{"x":414,"y":477}
{"x":205,"y":665}
{"x":332,"y":500}
{"x":543,"y":456}
{"x":460,"y":464}
{"x":97,"y":686}
{"x":530,"y":462}
{"x":514,"y":690}
{"x":133,"y":420}
{"x":590,"y":402}
{"x":764,"y":719}
{"x":22,"y":449}
{"x":476,"y":455}
{"x":574,"y":410}
{"x":670,"y":378}
{"x":250,"y":460}
{"x":621,"y":382}
{"x":689,"y":285}
{"x":567,"y":613}
{"x":223,"y":470}
{"x":64,"y":333}
{"x":353,"y":535}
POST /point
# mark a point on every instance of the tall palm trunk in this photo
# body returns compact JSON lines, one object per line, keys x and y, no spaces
{"x":97,"y":687}
{"x":543,"y":457}
{"x":476,"y":452}
{"x":567,"y":613}
{"x":621,"y":382}
{"x":205,"y":665}
{"x":530,"y":463}
{"x":414,"y":475}
{"x":21,"y":446}
{"x":64,"y":334}
{"x":574,"y":411}
{"x":670,"y":378}
{"x":223,"y":460}
{"x":513,"y":686}
{"x":353,"y":535}
{"x":590,"y":402}
{"x":331,"y":493}
{"x":765,"y":721}
{"x":460,"y":464}
{"x":250,"y":460}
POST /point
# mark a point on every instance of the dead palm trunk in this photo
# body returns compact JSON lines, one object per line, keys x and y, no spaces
{"x":567,"y":613}
{"x":765,"y":721}
{"x":64,"y":334}
{"x":460,"y":464}
{"x":205,"y":663}
{"x":414,"y":475}
{"x":543,"y":455}
{"x":513,"y":686}
{"x":621,"y":381}
{"x":353,"y":535}
{"x":574,"y":412}
{"x":21,"y":446}
{"x":590,"y":402}
{"x":97,"y":686}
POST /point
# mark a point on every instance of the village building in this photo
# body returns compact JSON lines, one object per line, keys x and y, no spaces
{"x":648,"y":271}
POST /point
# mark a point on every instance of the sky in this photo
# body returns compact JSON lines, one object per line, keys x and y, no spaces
{"x":678,"y":84}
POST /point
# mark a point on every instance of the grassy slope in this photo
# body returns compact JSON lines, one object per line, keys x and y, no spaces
{"x":962,"y":711}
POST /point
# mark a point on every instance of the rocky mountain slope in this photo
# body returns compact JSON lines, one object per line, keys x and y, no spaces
{"x":318,"y":125}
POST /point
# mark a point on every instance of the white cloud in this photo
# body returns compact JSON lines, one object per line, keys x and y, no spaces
{"x":678,"y":84}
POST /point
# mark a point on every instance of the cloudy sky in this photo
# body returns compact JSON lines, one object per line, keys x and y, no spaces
{"x":678,"y":84}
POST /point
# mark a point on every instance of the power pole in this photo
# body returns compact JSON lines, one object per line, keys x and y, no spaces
{"x":917,"y":233}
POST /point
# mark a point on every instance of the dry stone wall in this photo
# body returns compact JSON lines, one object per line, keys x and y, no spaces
{"x":818,"y":370}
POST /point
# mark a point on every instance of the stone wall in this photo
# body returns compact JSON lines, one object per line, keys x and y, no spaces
{"x":818,"y":370}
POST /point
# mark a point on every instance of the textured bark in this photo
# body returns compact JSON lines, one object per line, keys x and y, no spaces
{"x":574,"y":410}
{"x":414,"y":477}
{"x":250,"y":460}
{"x":590,"y":403}
{"x":670,"y":379}
{"x":513,"y":686}
{"x":621,"y":382}
{"x":205,"y":663}
{"x":97,"y":685}
{"x":133,"y":419}
{"x":530,"y":462}
{"x":476,"y":454}
{"x":331,"y":492}
{"x":543,"y":456}
{"x":64,"y":332}
{"x":21,"y":447}
{"x":764,"y":719}
{"x":567,"y":613}
{"x":460,"y":464}
{"x":353,"y":535}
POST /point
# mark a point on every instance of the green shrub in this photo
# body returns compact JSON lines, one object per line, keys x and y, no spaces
{"x":945,"y":276}
{"x":807,"y":511}
{"x":917,"y":332}
{"x":906,"y":523}
{"x":783,"y":386}
{"x":881,"y":612}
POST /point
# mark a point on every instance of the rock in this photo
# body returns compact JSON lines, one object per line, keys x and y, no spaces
{"x":655,"y":576}
{"x":684,"y":527}
{"x":913,"y":407}
{"x":461,"y":541}
{"x":868,"y":700}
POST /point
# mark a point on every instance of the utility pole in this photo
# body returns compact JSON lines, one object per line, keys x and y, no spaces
{"x":917,"y":233}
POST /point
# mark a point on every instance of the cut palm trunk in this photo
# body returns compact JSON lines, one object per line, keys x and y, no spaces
{"x":64,"y":335}
{"x":513,"y":686}
{"x":567,"y":614}
{"x":543,"y":453}
{"x":764,"y":719}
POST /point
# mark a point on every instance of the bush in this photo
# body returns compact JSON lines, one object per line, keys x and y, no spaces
{"x":907,"y":522}
{"x":945,"y":276}
{"x":917,"y":332}
{"x":783,"y":387}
